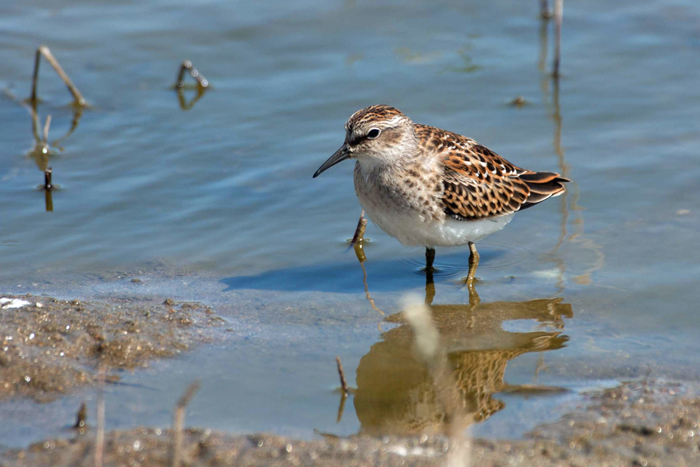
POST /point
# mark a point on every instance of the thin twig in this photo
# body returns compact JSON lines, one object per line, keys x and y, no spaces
{"x":187,"y":65}
{"x":81,"y":418}
{"x":35,"y":122}
{"x":558,"y":18}
{"x":44,"y":50}
{"x":35,"y":74}
{"x":343,"y":383}
{"x":360,"y":230}
{"x":100,"y":436}
{"x":179,"y":422}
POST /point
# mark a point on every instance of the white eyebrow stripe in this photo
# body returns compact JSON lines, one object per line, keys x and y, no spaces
{"x":393,"y":121}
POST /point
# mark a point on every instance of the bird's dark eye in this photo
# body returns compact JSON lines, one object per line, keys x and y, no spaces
{"x":373,"y":133}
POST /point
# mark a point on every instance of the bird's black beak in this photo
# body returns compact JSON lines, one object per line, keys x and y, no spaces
{"x":339,"y":156}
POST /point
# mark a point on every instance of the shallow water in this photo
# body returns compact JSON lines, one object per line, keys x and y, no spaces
{"x":222,"y":193}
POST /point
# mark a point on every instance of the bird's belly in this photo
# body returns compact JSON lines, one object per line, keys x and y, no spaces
{"x":412,"y":228}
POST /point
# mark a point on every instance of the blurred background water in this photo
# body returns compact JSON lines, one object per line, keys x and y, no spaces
{"x":223,"y":193}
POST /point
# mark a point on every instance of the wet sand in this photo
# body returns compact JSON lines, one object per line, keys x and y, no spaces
{"x":643,"y":423}
{"x":52,"y":347}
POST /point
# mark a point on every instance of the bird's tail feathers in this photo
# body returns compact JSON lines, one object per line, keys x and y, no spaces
{"x":542,"y":185}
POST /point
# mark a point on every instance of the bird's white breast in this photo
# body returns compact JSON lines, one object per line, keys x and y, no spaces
{"x":394,"y":209}
{"x":412,"y":229}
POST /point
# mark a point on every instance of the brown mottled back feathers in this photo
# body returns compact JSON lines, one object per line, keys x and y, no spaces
{"x":478,"y":183}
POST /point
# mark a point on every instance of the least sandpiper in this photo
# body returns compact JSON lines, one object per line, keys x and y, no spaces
{"x":430,"y":187}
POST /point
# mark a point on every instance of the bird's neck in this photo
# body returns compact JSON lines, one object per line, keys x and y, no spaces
{"x":395,"y":157}
{"x":390,"y":172}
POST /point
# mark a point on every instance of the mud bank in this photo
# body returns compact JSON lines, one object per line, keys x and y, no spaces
{"x":51,"y":347}
{"x":648,"y":423}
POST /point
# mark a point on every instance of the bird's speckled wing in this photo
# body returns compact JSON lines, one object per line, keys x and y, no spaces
{"x":478,"y":183}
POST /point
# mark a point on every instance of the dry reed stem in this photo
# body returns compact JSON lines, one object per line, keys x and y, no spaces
{"x":44,"y":50}
{"x":100,"y":436}
{"x":179,"y":422}
{"x":343,"y":382}
{"x":81,"y":418}
{"x":187,"y":66}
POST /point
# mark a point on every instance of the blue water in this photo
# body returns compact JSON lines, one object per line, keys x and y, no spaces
{"x":222,"y":194}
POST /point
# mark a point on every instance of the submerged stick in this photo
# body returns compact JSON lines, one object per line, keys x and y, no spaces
{"x":44,"y":50}
{"x":187,"y":66}
{"x":35,"y":74}
{"x":35,"y":122}
{"x":343,"y":382}
{"x":179,"y":422}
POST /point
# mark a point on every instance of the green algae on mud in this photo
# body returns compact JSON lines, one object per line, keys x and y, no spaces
{"x":51,"y":347}
{"x":649,"y":423}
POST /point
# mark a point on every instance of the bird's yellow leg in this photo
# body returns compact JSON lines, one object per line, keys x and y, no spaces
{"x":473,"y":264}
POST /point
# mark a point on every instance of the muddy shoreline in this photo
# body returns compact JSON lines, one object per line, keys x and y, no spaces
{"x":51,"y":347}
{"x":642,"y":423}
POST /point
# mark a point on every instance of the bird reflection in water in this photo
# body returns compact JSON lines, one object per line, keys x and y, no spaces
{"x":438,"y":371}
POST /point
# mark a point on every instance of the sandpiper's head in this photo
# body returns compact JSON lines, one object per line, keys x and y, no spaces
{"x":375,"y":134}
